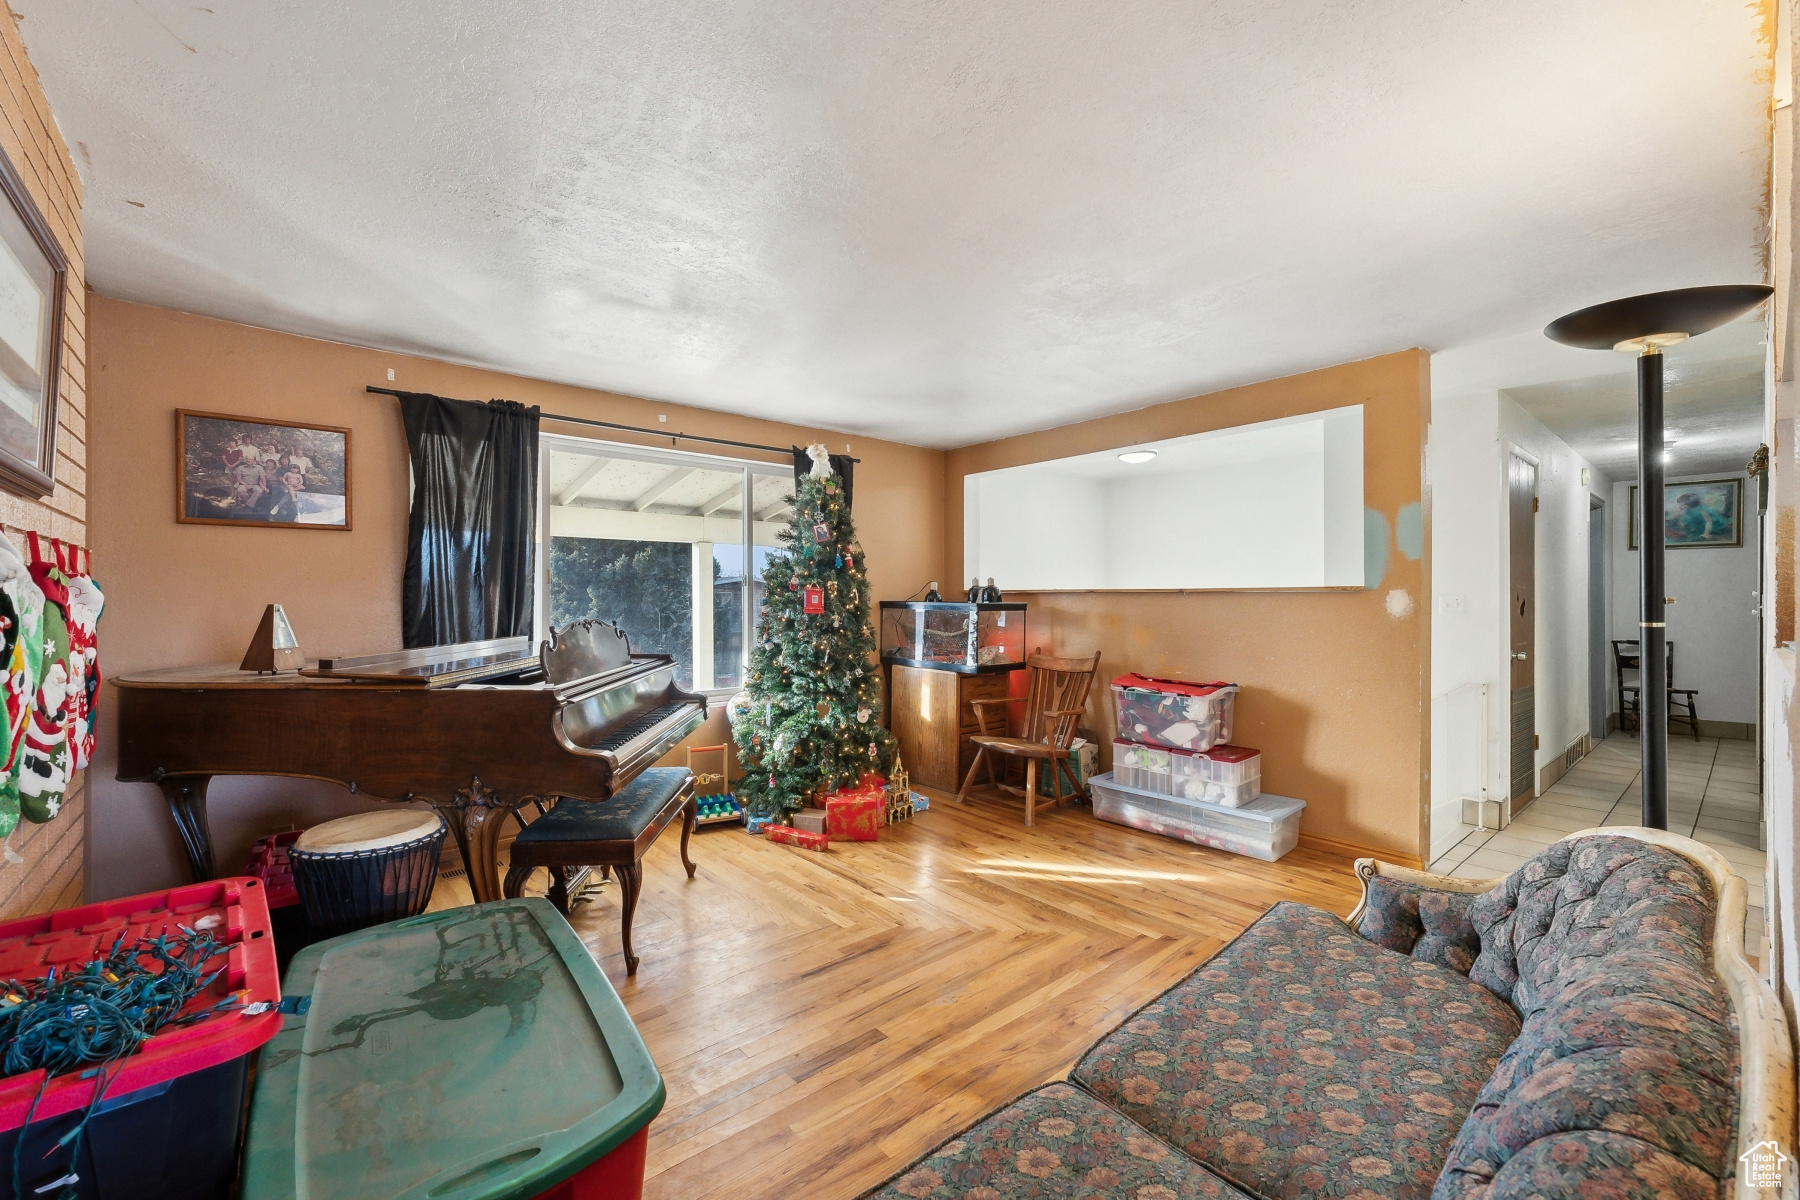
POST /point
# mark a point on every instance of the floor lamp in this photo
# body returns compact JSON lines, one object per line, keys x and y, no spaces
{"x":1643,"y":325}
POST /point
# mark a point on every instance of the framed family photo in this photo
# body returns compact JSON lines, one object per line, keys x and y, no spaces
{"x":1697,"y":514}
{"x":33,"y":274}
{"x":253,"y":471}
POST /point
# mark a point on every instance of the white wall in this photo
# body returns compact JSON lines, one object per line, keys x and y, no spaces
{"x":1469,"y":440}
{"x":1274,"y":504}
{"x":1713,"y":622}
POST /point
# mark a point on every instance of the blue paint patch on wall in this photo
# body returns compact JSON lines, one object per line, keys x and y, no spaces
{"x":1375,"y":547}
{"x":1409,"y":530}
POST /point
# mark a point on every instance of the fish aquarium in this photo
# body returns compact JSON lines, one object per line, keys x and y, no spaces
{"x":953,"y":635}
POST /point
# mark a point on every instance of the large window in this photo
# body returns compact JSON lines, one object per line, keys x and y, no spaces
{"x":658,"y":541}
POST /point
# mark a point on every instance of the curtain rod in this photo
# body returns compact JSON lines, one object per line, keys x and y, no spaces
{"x":673,"y":437}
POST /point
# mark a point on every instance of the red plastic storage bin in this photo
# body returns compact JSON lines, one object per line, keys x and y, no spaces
{"x":1172,"y":713}
{"x":269,"y":863}
{"x":168,"y":1123}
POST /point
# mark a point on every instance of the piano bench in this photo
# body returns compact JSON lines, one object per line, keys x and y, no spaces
{"x":607,"y":834}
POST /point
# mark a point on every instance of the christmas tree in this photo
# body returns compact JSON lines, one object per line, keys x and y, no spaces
{"x":808,"y":720}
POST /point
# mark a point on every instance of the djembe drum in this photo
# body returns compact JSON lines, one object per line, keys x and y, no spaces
{"x":359,"y":871}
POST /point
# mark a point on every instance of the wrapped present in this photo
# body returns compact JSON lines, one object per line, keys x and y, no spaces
{"x":921,"y":802}
{"x":787,"y":835}
{"x":812,"y":820}
{"x":1083,"y":761}
{"x":755,"y":825}
{"x":855,"y":816}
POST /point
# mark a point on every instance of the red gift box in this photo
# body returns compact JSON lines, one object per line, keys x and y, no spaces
{"x":855,"y":816}
{"x":788,"y":835}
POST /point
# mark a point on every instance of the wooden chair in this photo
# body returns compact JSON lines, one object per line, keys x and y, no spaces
{"x":1626,"y":657}
{"x":1054,"y":700}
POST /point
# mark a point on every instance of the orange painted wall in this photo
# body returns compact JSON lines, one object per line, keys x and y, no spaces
{"x":51,"y":875}
{"x":182,"y":594}
{"x":1335,"y":687}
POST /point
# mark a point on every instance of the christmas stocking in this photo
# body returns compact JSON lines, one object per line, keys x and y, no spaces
{"x":23,"y":660}
{"x":85,"y":606}
{"x":45,"y":766}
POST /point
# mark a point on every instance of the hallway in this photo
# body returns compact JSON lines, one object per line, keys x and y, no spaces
{"x":1713,"y":797}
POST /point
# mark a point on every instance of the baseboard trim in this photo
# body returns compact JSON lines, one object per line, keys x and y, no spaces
{"x":1314,"y":841}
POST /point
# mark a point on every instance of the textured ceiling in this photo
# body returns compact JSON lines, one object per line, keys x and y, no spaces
{"x":927,"y":221}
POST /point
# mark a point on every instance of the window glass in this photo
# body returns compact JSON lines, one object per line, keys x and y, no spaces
{"x":646,"y":588}
{"x":773,"y":503}
{"x":657,"y":541}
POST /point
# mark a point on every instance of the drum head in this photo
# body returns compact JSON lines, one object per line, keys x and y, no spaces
{"x":368,"y":831}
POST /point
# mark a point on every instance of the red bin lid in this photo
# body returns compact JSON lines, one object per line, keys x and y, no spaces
{"x":232,"y":910}
{"x":1149,"y":683}
{"x":1231,"y":754}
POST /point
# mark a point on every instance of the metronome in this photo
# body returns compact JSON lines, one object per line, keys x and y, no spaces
{"x":273,"y":647}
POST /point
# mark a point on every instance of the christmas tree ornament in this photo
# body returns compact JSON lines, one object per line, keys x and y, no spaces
{"x":821,"y":708}
{"x":821,"y":533}
{"x":814,"y":600}
{"x":862,"y":714}
{"x":840,"y":562}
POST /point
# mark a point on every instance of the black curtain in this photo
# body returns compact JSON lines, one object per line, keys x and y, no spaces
{"x":842,"y":465}
{"x":468,"y":542}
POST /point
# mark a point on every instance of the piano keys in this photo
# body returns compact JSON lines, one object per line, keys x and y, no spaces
{"x":475,"y":730}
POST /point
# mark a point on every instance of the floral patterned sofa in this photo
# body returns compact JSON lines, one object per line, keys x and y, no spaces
{"x":1587,"y":1027}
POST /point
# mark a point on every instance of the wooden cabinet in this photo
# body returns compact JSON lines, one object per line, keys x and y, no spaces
{"x":931,"y":717}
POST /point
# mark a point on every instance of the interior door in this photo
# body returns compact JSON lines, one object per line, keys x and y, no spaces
{"x":1521,"y":511}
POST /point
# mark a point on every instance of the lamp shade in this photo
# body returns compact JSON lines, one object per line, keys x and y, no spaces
{"x":1689,"y":311}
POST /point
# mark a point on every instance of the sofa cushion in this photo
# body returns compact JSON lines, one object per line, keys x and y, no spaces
{"x":1627,"y":1061}
{"x":1422,"y":922}
{"x":1052,"y":1143}
{"x":1305,"y":1061}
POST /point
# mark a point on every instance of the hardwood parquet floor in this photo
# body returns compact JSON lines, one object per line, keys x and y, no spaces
{"x":820,"y":1020}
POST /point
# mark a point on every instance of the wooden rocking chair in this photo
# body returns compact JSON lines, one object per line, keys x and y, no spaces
{"x":1054,"y":701}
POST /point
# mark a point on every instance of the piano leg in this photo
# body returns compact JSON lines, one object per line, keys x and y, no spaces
{"x":186,"y":795}
{"x":477,"y":818}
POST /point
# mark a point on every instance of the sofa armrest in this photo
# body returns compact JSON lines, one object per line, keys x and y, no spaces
{"x":1367,"y":868}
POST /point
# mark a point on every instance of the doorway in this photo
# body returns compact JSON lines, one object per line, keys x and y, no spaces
{"x":1599,"y":651}
{"x":1521,"y":521}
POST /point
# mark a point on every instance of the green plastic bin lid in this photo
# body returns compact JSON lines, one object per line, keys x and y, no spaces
{"x":472,"y":1054}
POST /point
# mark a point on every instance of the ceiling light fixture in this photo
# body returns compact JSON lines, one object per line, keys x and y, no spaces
{"x":1137,"y":456}
{"x":1643,"y":325}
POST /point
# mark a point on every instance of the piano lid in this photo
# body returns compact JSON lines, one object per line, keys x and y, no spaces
{"x":435,"y":666}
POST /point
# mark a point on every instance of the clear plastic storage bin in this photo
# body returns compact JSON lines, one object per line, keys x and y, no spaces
{"x":1171,"y":713}
{"x":1266,"y":828}
{"x":1228,"y":775}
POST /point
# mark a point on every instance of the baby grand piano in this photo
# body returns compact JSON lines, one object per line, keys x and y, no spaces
{"x":475,"y":730}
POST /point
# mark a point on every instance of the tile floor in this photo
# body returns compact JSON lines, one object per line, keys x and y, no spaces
{"x":1713,"y":798}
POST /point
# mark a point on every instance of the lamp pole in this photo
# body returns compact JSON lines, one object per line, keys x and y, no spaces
{"x":1644,"y":325}
{"x":1653,"y":663}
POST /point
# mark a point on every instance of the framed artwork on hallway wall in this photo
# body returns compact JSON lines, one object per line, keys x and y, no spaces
{"x":1698,"y":514}
{"x":33,"y":272}
{"x":254,"y":471}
